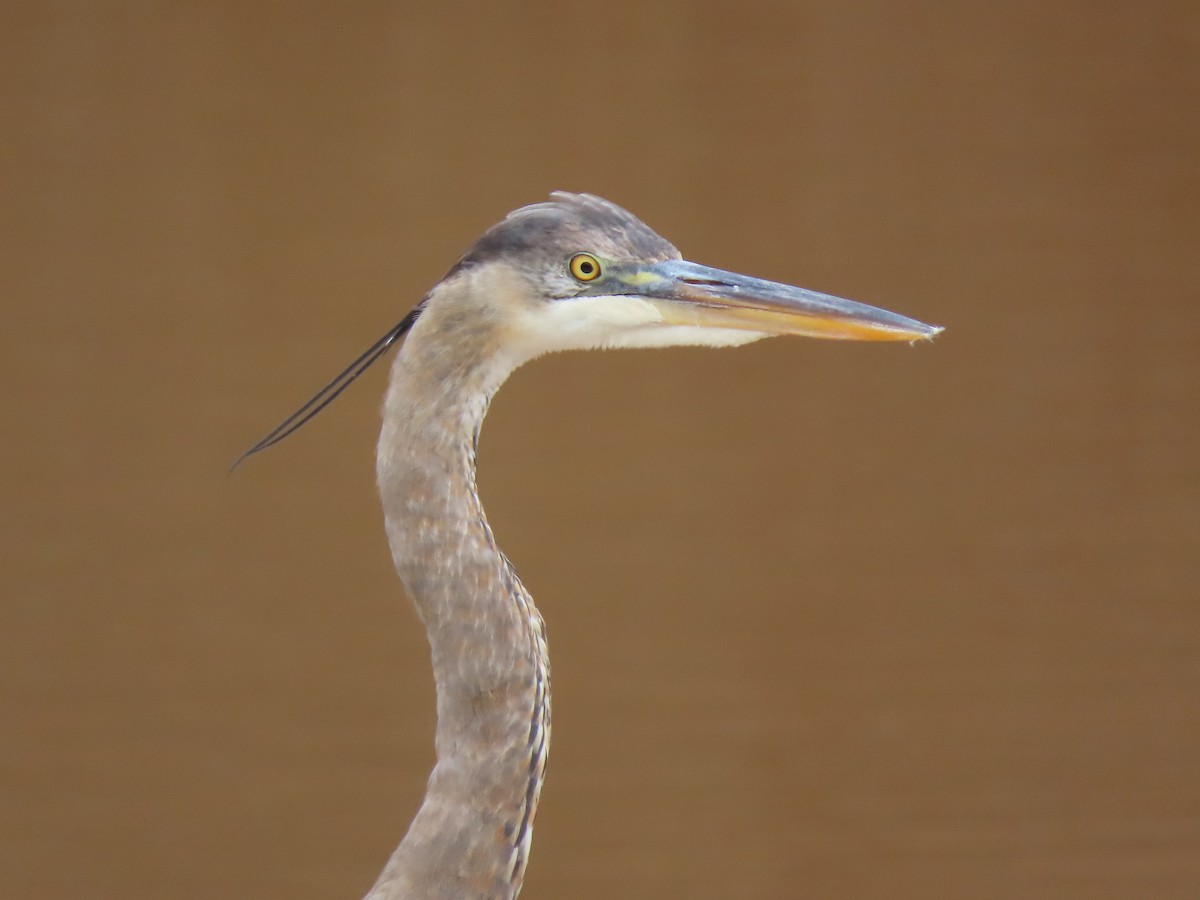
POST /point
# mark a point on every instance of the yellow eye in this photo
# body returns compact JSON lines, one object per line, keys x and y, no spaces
{"x":585,"y":267}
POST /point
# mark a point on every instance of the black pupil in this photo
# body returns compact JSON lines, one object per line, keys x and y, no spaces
{"x":585,"y":267}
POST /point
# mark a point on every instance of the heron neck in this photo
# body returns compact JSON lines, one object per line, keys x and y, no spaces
{"x":471,"y":835}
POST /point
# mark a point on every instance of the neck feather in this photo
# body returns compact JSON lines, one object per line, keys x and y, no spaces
{"x":471,"y":835}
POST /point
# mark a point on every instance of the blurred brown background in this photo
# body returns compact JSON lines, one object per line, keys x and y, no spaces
{"x":827,"y":620}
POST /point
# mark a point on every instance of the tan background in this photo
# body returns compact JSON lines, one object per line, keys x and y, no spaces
{"x":827,"y":620}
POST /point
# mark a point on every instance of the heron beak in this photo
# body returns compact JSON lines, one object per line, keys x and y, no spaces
{"x":687,"y":293}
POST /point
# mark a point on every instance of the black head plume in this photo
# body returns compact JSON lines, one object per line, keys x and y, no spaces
{"x":330,"y":392}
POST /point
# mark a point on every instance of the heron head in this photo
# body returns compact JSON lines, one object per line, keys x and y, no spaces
{"x":578,"y":272}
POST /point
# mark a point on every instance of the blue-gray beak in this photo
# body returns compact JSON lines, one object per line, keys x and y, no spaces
{"x":687,"y":293}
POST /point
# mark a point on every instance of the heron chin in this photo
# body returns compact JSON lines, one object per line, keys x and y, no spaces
{"x":573,"y":273}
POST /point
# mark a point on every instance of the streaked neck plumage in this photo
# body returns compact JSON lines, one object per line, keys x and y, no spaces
{"x":471,"y":836}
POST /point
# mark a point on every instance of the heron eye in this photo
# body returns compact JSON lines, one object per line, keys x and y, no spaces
{"x":585,"y":267}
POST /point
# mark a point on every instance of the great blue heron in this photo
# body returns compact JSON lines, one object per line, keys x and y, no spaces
{"x":572,"y":273}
